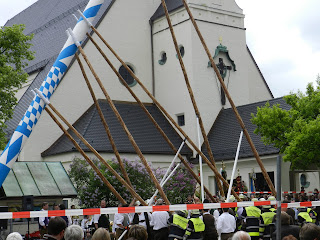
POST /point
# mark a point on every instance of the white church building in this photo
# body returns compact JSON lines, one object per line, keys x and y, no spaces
{"x":138,"y":31}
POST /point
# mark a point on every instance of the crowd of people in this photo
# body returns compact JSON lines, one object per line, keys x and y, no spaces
{"x":240,"y":223}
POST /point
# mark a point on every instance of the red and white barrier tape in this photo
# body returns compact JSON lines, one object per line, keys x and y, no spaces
{"x":271,"y":192}
{"x":113,"y":210}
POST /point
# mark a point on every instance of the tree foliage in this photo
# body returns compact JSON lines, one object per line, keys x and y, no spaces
{"x":14,"y":57}
{"x":91,"y":189}
{"x":295,"y":132}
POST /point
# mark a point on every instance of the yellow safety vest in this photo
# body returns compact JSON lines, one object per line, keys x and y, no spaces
{"x":267,"y":217}
{"x":198,"y":224}
{"x":180,"y":221}
{"x":305,"y":216}
{"x":253,"y":211}
{"x":314,"y":215}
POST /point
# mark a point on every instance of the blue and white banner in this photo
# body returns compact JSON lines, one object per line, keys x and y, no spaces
{"x":50,"y":83}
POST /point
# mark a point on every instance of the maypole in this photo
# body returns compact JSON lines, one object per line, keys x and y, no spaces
{"x":50,"y":83}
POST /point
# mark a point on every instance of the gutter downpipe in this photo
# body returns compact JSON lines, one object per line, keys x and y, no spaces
{"x":152,"y":57}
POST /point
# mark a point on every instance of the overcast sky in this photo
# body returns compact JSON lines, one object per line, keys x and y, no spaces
{"x":283,"y":36}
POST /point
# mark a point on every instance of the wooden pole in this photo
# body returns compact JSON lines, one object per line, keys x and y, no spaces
{"x":197,"y":112}
{"x":149,"y":115}
{"x":120,"y":179}
{"x":245,"y":131}
{"x":106,"y":182}
{"x":173,"y":122}
{"x":106,"y":127}
{"x":131,"y":139}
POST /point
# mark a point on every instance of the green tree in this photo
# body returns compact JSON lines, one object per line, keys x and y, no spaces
{"x":91,"y":189}
{"x":295,"y":132}
{"x":14,"y":57}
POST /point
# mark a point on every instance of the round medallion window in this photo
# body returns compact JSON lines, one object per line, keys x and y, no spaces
{"x":127,"y":76}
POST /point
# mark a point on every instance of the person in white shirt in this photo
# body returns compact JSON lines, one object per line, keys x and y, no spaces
{"x":120,"y":223}
{"x":87,"y":225}
{"x":159,"y":221}
{"x":226,"y":224}
{"x":44,"y":221}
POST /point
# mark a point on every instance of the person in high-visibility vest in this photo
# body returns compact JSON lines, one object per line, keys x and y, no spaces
{"x":178,"y":225}
{"x":266,"y":219}
{"x":195,"y":226}
{"x":303,"y":216}
{"x":252,"y":220}
{"x":312,"y":214}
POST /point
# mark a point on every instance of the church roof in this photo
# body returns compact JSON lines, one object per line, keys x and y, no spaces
{"x":140,"y":126}
{"x":47,"y":20}
{"x":225,"y":132}
{"x":171,"y":6}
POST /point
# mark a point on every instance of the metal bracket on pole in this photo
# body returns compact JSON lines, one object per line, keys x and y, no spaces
{"x":76,"y":42}
{"x":85,"y":19}
{"x":46,"y":101}
{"x":75,"y":17}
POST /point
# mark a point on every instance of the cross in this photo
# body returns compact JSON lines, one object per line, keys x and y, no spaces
{"x":223,"y":72}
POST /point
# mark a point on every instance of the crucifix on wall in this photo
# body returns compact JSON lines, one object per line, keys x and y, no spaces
{"x":223,"y":72}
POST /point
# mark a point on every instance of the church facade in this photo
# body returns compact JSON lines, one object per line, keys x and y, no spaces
{"x":138,"y":31}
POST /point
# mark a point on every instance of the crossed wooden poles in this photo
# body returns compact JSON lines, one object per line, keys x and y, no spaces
{"x":126,"y":181}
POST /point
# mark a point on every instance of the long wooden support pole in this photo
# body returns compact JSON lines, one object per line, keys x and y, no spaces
{"x":104,"y":122}
{"x":166,"y":114}
{"x":245,"y":131}
{"x":131,"y":139}
{"x":149,"y":116}
{"x":186,"y":78}
{"x":120,"y":179}
{"x":94,"y":167}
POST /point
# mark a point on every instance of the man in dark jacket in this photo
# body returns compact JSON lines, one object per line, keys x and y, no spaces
{"x":56,"y":229}
{"x":286,"y":228}
{"x":210,"y":231}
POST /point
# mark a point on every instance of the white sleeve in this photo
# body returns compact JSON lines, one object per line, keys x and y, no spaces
{"x":41,"y":221}
{"x":119,"y":219}
{"x":96,"y":218}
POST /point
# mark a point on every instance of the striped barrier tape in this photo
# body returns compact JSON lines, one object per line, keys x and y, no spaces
{"x":271,"y":192}
{"x":169,"y":208}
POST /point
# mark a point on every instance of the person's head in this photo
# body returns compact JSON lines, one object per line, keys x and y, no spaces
{"x":73,"y":207}
{"x":241,"y":235}
{"x":138,"y":232}
{"x":45,"y":206}
{"x":101,"y":234}
{"x":56,"y":227}
{"x":14,"y":236}
{"x":285,"y":218}
{"x":225,"y":209}
{"x":205,"y":201}
{"x":56,"y":206}
{"x":73,"y":232}
{"x":159,"y":202}
{"x":290,"y":237}
{"x":195,"y":213}
{"x":182,"y":213}
{"x":62,"y":206}
{"x":309,"y":231}
{"x":292,"y":215}
{"x":103,"y":204}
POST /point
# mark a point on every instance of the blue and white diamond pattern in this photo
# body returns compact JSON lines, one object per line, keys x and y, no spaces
{"x":29,"y":120}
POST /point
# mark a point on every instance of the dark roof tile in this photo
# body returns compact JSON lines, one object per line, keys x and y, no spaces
{"x":225,"y":132}
{"x":140,"y":126}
